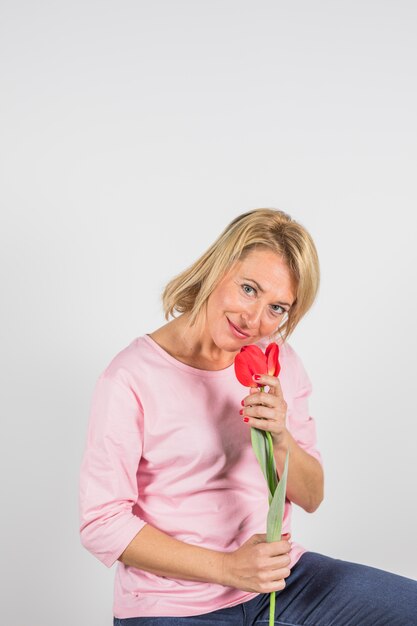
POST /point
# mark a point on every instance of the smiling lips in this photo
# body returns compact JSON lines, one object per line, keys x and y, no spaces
{"x":237,"y":331}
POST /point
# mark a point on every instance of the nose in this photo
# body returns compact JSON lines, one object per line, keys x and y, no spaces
{"x":252,"y":316}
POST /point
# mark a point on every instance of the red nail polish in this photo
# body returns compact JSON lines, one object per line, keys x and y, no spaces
{"x":241,"y":411}
{"x":256,"y":377}
{"x":243,"y":403}
{"x":246,"y":419}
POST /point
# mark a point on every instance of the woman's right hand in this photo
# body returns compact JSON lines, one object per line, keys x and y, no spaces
{"x":258,"y":566}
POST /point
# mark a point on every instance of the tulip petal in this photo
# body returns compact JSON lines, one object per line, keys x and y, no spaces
{"x":249,"y":361}
{"x":243,"y":371}
{"x":272,"y":354}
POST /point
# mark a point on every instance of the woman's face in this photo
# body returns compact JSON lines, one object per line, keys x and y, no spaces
{"x":251,"y":301}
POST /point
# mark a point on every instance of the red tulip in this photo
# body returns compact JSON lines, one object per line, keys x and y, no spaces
{"x":272,"y":353}
{"x":251,"y":360}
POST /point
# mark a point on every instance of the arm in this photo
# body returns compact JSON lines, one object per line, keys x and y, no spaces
{"x":268,"y":411}
{"x":154,"y":551}
{"x":305,"y":481}
{"x":107,"y":484}
{"x":256,"y":566}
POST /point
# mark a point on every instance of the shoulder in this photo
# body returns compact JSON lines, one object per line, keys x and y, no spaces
{"x":130,"y":362}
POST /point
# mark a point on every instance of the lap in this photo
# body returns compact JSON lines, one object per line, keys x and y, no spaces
{"x":321,"y":591}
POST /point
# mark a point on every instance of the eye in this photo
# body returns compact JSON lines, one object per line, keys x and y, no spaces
{"x":244,"y":287}
{"x":281,"y":312}
{"x":248,"y":289}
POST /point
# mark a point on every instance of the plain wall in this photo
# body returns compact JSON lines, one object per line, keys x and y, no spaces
{"x":131,"y":134}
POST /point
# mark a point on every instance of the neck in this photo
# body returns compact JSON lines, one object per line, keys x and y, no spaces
{"x":196,"y":344}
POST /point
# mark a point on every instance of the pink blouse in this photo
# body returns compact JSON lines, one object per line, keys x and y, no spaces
{"x":166,"y":446}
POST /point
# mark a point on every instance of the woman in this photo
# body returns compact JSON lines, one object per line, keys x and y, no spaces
{"x":170,"y":487}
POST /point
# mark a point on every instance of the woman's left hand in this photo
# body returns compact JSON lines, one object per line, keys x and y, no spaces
{"x":267,"y":410}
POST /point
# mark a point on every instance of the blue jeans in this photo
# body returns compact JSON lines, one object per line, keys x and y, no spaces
{"x":320,"y":591}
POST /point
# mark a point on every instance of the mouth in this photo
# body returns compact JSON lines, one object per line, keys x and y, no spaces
{"x":238,"y":332}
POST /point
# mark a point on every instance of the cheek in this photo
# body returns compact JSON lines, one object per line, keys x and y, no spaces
{"x":269,"y":326}
{"x":225,"y":300}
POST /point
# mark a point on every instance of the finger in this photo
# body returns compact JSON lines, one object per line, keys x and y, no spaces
{"x":275,"y":585}
{"x":278,"y":574}
{"x":278,"y":562}
{"x":261,"y":397}
{"x":261,"y":538}
{"x":258,"y":411}
{"x":261,"y":423}
{"x":277,"y":549}
{"x":273,"y":383}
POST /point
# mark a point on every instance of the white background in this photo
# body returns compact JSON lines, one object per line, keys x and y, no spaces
{"x":132,"y":132}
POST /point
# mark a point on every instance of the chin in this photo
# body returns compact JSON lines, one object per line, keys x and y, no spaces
{"x":228,"y":345}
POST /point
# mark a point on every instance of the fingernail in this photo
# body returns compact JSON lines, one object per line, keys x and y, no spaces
{"x":256,"y":377}
{"x":243,"y":403}
{"x":246,"y":419}
{"x":241,"y":411}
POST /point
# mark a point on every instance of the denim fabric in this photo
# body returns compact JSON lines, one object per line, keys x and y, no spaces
{"x":321,"y":591}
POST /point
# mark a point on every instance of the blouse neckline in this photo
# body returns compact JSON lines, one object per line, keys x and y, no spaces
{"x":184,"y":366}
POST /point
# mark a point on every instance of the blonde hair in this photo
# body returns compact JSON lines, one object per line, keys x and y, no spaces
{"x":189,"y":291}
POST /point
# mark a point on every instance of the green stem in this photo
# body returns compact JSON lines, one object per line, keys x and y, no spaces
{"x":272,"y":481}
{"x":270,"y":451}
{"x":272,"y":608}
{"x":271,"y":471}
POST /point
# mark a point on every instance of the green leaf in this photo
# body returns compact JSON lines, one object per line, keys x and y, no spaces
{"x":276,"y":508}
{"x":260,"y":448}
{"x":271,"y":467}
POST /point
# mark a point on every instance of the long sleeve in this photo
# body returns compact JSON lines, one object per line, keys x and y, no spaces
{"x":302,"y":424}
{"x":108,"y":485}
